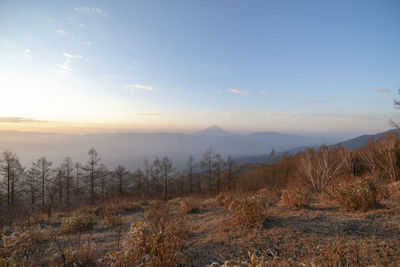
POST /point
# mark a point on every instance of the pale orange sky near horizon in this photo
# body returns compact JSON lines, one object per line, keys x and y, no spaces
{"x":312,"y":124}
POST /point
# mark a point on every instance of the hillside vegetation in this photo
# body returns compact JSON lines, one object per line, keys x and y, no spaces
{"x":323,"y":207}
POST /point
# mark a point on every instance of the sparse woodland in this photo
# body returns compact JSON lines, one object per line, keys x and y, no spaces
{"x":329,"y":206}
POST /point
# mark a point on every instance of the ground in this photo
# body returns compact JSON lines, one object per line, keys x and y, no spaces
{"x":320,"y":235}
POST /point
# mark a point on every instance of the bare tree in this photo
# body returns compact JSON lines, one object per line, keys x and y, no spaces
{"x":138,"y":177}
{"x":218,"y":167}
{"x":207,"y":165}
{"x":43,"y":167}
{"x":190,"y":165}
{"x":320,"y":168}
{"x":121,"y":176}
{"x":90,"y":168}
{"x":12,"y":170}
{"x":166,"y":170}
{"x":67,"y":169}
{"x":147,"y":176}
{"x":155,"y":173}
{"x":78,"y":167}
{"x":386,"y":156}
{"x":31,"y":186}
{"x":60,"y":187}
{"x":230,"y":165}
{"x":103,"y":173}
{"x":397,"y":106}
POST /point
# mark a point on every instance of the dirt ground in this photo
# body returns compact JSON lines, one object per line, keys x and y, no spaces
{"x":316,"y":236}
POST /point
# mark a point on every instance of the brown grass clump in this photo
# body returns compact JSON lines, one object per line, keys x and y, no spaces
{"x":111,"y":220}
{"x":157,"y":240}
{"x":338,"y":251}
{"x":92,"y":210}
{"x":77,"y":224}
{"x":190,"y":205}
{"x":224,"y":199}
{"x":209,"y":203}
{"x":75,"y":253}
{"x":394,"y":190}
{"x":361,"y":195}
{"x":270,"y":196}
{"x":249,"y":210}
{"x":121,"y":207}
{"x":20,"y":248}
{"x":296,"y":198}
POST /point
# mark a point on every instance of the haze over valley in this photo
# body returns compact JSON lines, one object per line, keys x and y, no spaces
{"x":131,"y":149}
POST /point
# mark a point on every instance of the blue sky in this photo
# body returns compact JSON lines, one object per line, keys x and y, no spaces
{"x":308,"y":67}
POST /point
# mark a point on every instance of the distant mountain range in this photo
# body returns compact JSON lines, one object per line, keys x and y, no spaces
{"x":353,"y":143}
{"x":215,"y":130}
{"x":130,"y":149}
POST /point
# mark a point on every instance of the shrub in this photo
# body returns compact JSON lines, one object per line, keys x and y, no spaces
{"x":175,"y":202}
{"x":77,"y":224}
{"x":270,"y":196}
{"x":190,"y":205}
{"x":361,"y":195}
{"x":157,"y":240}
{"x":296,"y":198}
{"x":249,"y":210}
{"x":209,"y":203}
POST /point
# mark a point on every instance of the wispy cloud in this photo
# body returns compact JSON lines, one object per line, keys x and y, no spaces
{"x":136,"y":87}
{"x":65,"y":34}
{"x":382,"y":90}
{"x":62,"y":69}
{"x":91,"y":10}
{"x":247,"y":92}
{"x":27,"y":51}
{"x":20,"y":120}
{"x":237,"y":91}
{"x":72,"y":56}
{"x":65,"y":68}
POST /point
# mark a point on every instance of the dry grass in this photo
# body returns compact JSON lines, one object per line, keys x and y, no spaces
{"x":21,"y":247}
{"x":111,"y":220}
{"x":169,"y":234}
{"x":249,"y":210}
{"x":190,"y":205}
{"x":224,"y":199}
{"x":361,"y":195}
{"x":336,"y":252}
{"x":157,"y":240}
{"x":123,"y":206}
{"x":394,"y":190}
{"x":296,"y":198}
{"x":77,"y":224}
{"x":75,"y":252}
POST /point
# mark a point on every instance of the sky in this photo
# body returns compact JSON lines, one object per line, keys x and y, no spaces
{"x":317,"y":68}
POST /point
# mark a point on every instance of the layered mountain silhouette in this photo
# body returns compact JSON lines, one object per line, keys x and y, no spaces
{"x":353,"y":143}
{"x":130,"y":149}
